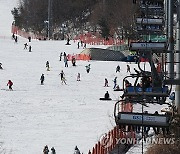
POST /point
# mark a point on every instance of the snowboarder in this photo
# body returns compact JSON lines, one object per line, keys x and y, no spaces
{"x":47,"y":66}
{"x":42,"y":79}
{"x":115,"y":82}
{"x":106,"y":83}
{"x":73,"y":61}
{"x":106,"y":96}
{"x":128,"y":69}
{"x":46,"y":150}
{"x":53,"y":150}
{"x":118,"y":69}
{"x":30,"y":48}
{"x":76,"y":150}
{"x":1,"y":66}
{"x":63,"y":79}
{"x":25,"y":46}
{"x":10,"y":83}
{"x":60,"y":57}
{"x":88,"y":68}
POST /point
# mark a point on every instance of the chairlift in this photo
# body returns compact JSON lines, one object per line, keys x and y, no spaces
{"x":139,"y":119}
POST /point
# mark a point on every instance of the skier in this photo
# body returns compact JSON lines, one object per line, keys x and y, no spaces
{"x":115,"y":82}
{"x":118,"y":69}
{"x":76,"y":150}
{"x":30,"y":48}
{"x":46,"y":150}
{"x":64,"y":55}
{"x":73,"y":61}
{"x":85,"y":45}
{"x":106,"y":83}
{"x":88,"y":68}
{"x":60,"y":57}
{"x":68,"y":40}
{"x":10,"y":83}
{"x":78,"y":77}
{"x":16,"y":39}
{"x":42,"y":79}
{"x":89,"y":152}
{"x":13,"y":36}
{"x":47,"y":66}
{"x":1,"y":66}
{"x":53,"y":150}
{"x":128,"y":69}
{"x":78,"y":45}
{"x":29,"y":38}
{"x":25,"y":46}
{"x":66,"y":61}
{"x":63,"y":79}
{"x":81,"y":43}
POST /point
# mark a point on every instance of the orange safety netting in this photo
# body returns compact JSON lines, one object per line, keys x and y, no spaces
{"x":16,"y":30}
{"x":96,"y":39}
{"x":79,"y":57}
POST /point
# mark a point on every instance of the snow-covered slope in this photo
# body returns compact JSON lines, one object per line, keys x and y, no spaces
{"x":62,"y":116}
{"x":6,"y":18}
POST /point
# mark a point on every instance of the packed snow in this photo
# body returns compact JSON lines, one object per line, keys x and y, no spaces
{"x":53,"y":114}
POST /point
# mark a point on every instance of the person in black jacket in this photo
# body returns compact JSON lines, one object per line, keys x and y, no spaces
{"x":53,"y":150}
{"x":106,"y":96}
{"x":46,"y":150}
{"x":42,"y":79}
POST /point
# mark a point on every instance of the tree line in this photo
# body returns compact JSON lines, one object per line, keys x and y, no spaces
{"x":109,"y":17}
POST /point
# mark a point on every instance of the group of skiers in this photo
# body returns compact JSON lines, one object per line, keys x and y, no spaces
{"x":46,"y":150}
{"x":128,"y":69}
{"x":53,"y":151}
{"x":62,"y":74}
{"x":26,"y":45}
{"x":83,"y":44}
{"x":15,"y":38}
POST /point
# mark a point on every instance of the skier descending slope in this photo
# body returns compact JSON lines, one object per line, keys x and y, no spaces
{"x":46,"y":150}
{"x":1,"y":66}
{"x":63,"y":79}
{"x":10,"y":83}
{"x":88,"y":68}
{"x":76,"y":150}
{"x":47,"y":66}
{"x":42,"y":79}
{"x":53,"y":151}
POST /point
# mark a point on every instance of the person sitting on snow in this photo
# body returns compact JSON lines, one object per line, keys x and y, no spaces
{"x":106,"y":96}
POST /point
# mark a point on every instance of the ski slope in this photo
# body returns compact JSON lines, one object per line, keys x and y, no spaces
{"x":6,"y":18}
{"x":52,"y":114}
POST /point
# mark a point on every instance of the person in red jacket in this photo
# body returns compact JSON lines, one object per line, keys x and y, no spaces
{"x":10,"y":83}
